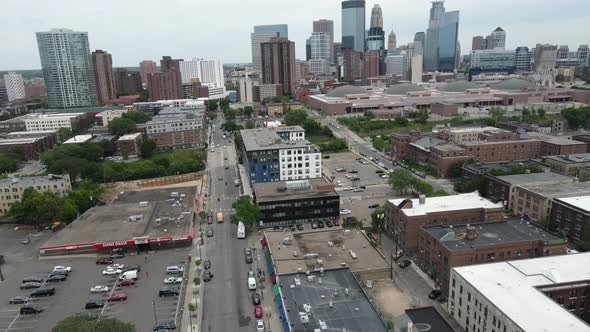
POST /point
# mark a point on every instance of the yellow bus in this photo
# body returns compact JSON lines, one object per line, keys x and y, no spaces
{"x":219,"y":217}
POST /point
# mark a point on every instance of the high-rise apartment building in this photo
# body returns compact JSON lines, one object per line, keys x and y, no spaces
{"x":353,"y":25}
{"x":326,"y":26}
{"x":478,"y":43}
{"x":67,"y":68}
{"x":127,"y":82}
{"x":278,"y":64}
{"x":522,"y":59}
{"x":320,"y":53}
{"x":352,"y":65}
{"x":103,"y":73}
{"x":207,"y":71}
{"x":263,"y":34}
{"x":496,"y":58}
{"x":391,"y":42}
{"x":416,"y":68}
{"x":371,"y":64}
{"x":147,"y":67}
{"x":440,"y":52}
{"x":15,"y":86}
{"x":245,"y":90}
{"x":563,"y":52}
{"x":582,"y":52}
{"x":168,"y":83}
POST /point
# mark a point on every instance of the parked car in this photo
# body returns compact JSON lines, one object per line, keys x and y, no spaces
{"x":373,"y":206}
{"x":210,"y":232}
{"x":48,"y":291}
{"x":174,"y":269}
{"x":111,"y":271}
{"x":99,"y":289}
{"x":329,"y":223}
{"x":442,"y":299}
{"x":32,"y":279}
{"x":30,"y":285}
{"x":248,"y":256}
{"x":165,"y":327}
{"x":117,"y":255}
{"x":62,"y":269}
{"x":126,"y":282}
{"x":320,"y":224}
{"x":132,"y":268}
{"x":172,"y":280}
{"x":314,"y":225}
{"x":104,"y":261}
{"x":434,"y":294}
{"x":168,"y":291}
{"x":340,"y":169}
{"x":20,"y":300}
{"x":57,"y":278}
{"x":353,"y":172}
{"x":405,"y":263}
{"x":255,"y":298}
{"x":348,"y":188}
{"x":299,"y":227}
{"x":209,"y":220}
{"x":117,"y":297}
{"x":94,"y":304}
{"x":116,"y":266}
{"x":345,"y":211}
{"x":379,"y":171}
{"x":258,"y":311}
{"x":29,"y":309}
{"x":336,"y":222}
{"x":207,"y":264}
{"x":209,"y":214}
{"x":207,"y":276}
{"x":358,"y":190}
{"x":260,"y":325}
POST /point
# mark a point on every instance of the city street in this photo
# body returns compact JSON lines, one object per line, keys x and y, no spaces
{"x":226,"y":299}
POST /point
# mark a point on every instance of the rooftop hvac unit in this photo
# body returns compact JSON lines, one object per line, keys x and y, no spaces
{"x":304,"y":318}
{"x":307,"y":308}
{"x":311,"y":256}
{"x":323,"y":325}
{"x":353,"y":254}
{"x":143,"y":204}
{"x":297,"y":282}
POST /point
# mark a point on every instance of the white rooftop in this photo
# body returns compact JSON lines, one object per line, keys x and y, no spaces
{"x":509,"y":285}
{"x":129,"y":137}
{"x":78,"y":139}
{"x":581,"y":202}
{"x":447,"y":203}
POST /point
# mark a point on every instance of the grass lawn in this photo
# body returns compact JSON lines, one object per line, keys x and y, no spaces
{"x":319,"y":139}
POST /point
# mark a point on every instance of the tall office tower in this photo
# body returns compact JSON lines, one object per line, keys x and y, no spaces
{"x":497,"y":39}
{"x":212,"y":72}
{"x":15,"y":86}
{"x":376,"y":38}
{"x":440,"y":50}
{"x":371,"y":64}
{"x":353,"y":25}
{"x":67,"y":68}
{"x":478,"y":43}
{"x":278,"y":64}
{"x":326,"y":26}
{"x":308,"y":49}
{"x":563,"y":52}
{"x":263,"y":34}
{"x":338,"y":54}
{"x":522,"y":59}
{"x":545,"y":56}
{"x":147,"y":67}
{"x":419,"y":41}
{"x":319,"y":64}
{"x":582,"y":53}
{"x":391,"y":42}
{"x":103,"y":73}
{"x":352,"y":65}
{"x":397,"y":65}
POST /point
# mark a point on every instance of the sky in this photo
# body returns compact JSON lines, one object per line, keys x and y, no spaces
{"x":135,"y":30}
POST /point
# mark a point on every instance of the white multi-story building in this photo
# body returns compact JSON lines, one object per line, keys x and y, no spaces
{"x":319,"y":66}
{"x":245,"y":91}
{"x":12,"y":189}
{"x":15,"y":86}
{"x":523,"y":295}
{"x":206,"y":71}
{"x":416,"y":68}
{"x":103,"y":118}
{"x":52,"y":121}
{"x":397,"y":64}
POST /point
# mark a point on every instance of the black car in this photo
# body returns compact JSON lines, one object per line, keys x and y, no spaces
{"x":320,"y":224}
{"x":57,"y":278}
{"x":292,"y":228}
{"x":132,"y":268}
{"x":434,"y":294}
{"x":43,"y":292}
{"x":32,"y":279}
{"x":326,"y":157}
{"x":353,"y":172}
{"x":30,"y":285}
{"x":19,"y":300}
{"x":249,"y":258}
{"x":363,"y":187}
{"x":255,"y":299}
{"x":94,"y":304}
{"x":209,"y":214}
{"x":276,"y":227}
{"x":373,"y":206}
{"x":30,"y":309}
{"x":405,"y":263}
{"x":379,"y":171}
{"x":207,"y":276}
{"x":442,"y":299}
{"x":165,"y":327}
{"x":207,"y":264}
{"x":300,"y":227}
{"x":329,"y":223}
{"x":167,"y":291}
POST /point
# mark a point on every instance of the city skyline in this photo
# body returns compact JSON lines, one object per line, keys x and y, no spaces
{"x":547,"y":23}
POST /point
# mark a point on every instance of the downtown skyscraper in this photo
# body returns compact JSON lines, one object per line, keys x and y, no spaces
{"x":67,"y":68}
{"x":326,"y":26}
{"x":376,"y":41}
{"x":440,"y":49}
{"x":353,"y":25}
{"x":278,"y":64}
{"x":103,"y":73}
{"x":263,"y":34}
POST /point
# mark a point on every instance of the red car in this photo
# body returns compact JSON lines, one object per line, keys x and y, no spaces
{"x":104,"y":261}
{"x":117,"y":297}
{"x":258,"y":311}
{"x":210,"y":220}
{"x":128,"y":282}
{"x":336,"y":222}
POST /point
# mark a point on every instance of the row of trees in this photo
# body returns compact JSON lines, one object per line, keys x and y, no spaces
{"x":9,"y":161}
{"x":404,"y":181}
{"x":577,"y":117}
{"x":92,"y":324}
{"x":127,"y":123}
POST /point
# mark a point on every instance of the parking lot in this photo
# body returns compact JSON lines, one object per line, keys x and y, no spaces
{"x":71,"y":295}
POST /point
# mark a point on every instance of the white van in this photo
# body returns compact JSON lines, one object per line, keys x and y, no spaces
{"x":129,"y":275}
{"x":252,"y":283}
{"x":174,"y":269}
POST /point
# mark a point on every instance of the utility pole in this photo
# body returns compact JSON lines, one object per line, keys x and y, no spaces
{"x":155,"y":315}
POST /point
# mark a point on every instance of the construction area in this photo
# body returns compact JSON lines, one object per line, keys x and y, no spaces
{"x":141,"y":220}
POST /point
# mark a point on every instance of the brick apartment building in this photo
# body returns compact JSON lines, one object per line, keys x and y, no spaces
{"x":440,"y":248}
{"x":30,"y":144}
{"x":178,"y":127}
{"x":572,"y":215}
{"x":128,"y":144}
{"x":12,"y":189}
{"x":404,"y":217}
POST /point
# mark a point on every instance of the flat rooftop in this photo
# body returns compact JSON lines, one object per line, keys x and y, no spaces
{"x":557,"y":140}
{"x":508,"y":285}
{"x":160,"y":217}
{"x":482,"y":167}
{"x":34,"y":180}
{"x":550,"y":177}
{"x":291,"y":190}
{"x":428,"y":316}
{"x":129,"y":137}
{"x":571,"y":159}
{"x":446,"y":203}
{"x":580,"y":202}
{"x":332,"y":248}
{"x":501,"y":232}
{"x":78,"y":139}
{"x":550,"y":191}
{"x":337,"y":304}
{"x":268,"y":139}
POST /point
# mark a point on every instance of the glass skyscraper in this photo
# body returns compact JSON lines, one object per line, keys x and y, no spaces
{"x":67,"y":68}
{"x":440,"y":50}
{"x":353,"y":25}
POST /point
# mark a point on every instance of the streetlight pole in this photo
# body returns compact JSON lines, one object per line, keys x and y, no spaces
{"x":155,"y":315}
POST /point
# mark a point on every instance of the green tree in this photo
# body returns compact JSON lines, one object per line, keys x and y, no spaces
{"x":250,"y":124}
{"x":202,"y":216}
{"x":143,"y":97}
{"x":137,"y":117}
{"x":401,"y":121}
{"x":68,"y":211}
{"x":224,"y":103}
{"x":121,"y":126}
{"x":230,"y":126}
{"x":335,"y":145}
{"x":422,"y":187}
{"x":230,"y":113}
{"x":64,"y":134}
{"x":248,"y":111}
{"x":9,"y":161}
{"x":295,"y":117}
{"x":352,"y":222}
{"x":246,"y":211}
{"x":212,"y":115}
{"x":146,"y":148}
{"x":213,"y":105}
{"x":312,"y":127}
{"x":35,"y":208}
{"x":92,"y":324}
{"x":108,"y":147}
{"x":456,"y":169}
{"x":401,"y":180}
{"x":377,"y":217}
{"x":577,"y":117}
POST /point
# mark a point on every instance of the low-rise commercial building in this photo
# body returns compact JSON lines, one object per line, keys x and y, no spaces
{"x":278,"y":109}
{"x":440,"y":248}
{"x":178,"y":127}
{"x":279,"y":154}
{"x":404,"y":217}
{"x":536,"y":201}
{"x":538,"y":294}
{"x":480,"y":168}
{"x":12,"y":189}
{"x":569,"y":164}
{"x":30,"y":144}
{"x":128,"y":145}
{"x":572,"y":216}
{"x":103,"y":118}
{"x":54,"y":121}
{"x":296,"y":202}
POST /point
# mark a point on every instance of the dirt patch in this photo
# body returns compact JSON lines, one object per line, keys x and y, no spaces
{"x":114,"y":188}
{"x":389,"y":300}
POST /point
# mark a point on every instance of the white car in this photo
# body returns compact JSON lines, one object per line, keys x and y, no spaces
{"x":61,"y":268}
{"x":347,"y":188}
{"x":116,"y":266}
{"x":358,"y":190}
{"x":345,"y":211}
{"x":111,"y":271}
{"x":259,"y":326}
{"x":173,"y":280}
{"x":385,"y":176}
{"x":99,"y":289}
{"x":217,"y":145}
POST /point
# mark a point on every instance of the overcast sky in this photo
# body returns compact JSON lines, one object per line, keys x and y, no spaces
{"x":133,"y":30}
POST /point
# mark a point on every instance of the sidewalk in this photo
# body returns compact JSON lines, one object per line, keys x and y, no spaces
{"x":269,"y":305}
